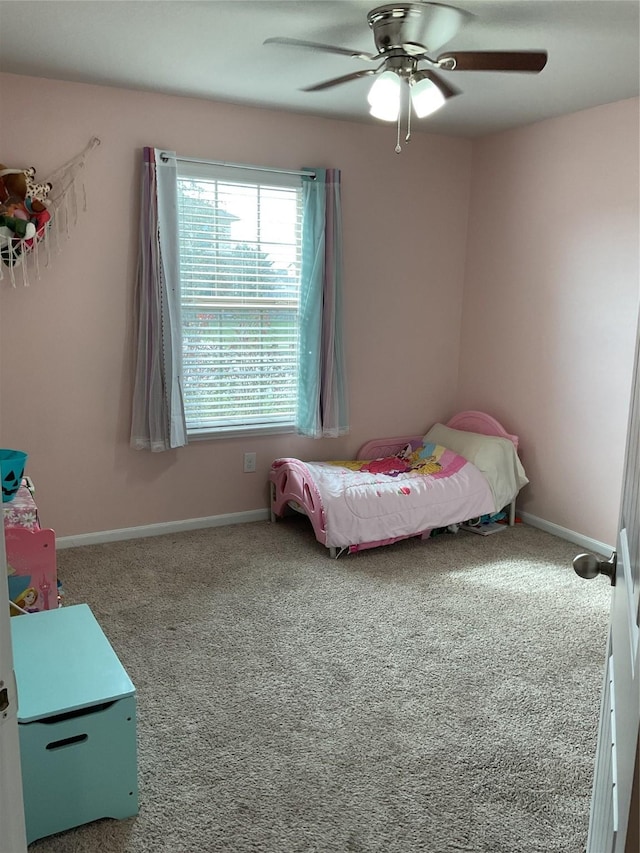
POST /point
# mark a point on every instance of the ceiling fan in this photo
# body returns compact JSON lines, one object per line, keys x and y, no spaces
{"x":406,"y":36}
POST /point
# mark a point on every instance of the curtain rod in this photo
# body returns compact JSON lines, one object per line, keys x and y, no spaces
{"x":311,"y":175}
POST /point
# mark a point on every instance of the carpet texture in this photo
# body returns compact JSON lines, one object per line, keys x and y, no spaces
{"x":427,"y":696}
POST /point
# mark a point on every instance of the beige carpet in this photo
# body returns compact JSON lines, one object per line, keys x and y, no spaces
{"x":428,"y":696}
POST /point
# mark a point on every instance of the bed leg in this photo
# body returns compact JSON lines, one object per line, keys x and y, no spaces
{"x":512,"y":513}
{"x":272,"y":490}
{"x":332,"y":553}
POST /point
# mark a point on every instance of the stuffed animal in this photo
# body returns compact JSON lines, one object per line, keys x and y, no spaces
{"x":36,"y":192}
{"x":23,"y":212}
{"x":40,"y":218}
{"x":13,"y":184}
{"x":16,"y":227}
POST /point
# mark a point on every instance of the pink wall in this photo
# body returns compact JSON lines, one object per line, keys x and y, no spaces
{"x":550,"y":305}
{"x":66,"y":342}
{"x":545,"y":342}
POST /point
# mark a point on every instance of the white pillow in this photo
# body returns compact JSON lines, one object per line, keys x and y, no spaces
{"x":495,"y":458}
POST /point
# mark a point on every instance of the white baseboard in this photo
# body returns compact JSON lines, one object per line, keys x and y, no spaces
{"x":570,"y":535}
{"x":119,"y":535}
{"x":162,"y":529}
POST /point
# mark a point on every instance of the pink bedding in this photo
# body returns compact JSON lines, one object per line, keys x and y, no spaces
{"x":382,"y":500}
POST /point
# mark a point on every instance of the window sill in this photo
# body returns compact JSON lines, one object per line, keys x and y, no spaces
{"x":239,"y":432}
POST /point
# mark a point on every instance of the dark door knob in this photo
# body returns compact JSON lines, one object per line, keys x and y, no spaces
{"x":589,"y":566}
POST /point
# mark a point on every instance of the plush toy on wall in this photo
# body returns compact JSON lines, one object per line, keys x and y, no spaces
{"x":13,"y":193}
{"x":34,"y":191}
{"x":12,"y":226}
{"x":13,"y":184}
{"x":24,"y":213}
{"x":51,"y":206}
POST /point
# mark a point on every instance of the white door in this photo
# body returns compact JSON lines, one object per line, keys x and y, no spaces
{"x":620,"y":709}
{"x":12,"y":831}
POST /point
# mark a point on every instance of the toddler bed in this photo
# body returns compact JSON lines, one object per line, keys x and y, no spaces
{"x":404,"y":486}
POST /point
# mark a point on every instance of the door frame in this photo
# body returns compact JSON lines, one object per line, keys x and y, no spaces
{"x":614,"y":811}
{"x":12,"y":834}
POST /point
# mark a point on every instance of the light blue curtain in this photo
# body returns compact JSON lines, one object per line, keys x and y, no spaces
{"x":158,"y":421}
{"x":322,"y":410}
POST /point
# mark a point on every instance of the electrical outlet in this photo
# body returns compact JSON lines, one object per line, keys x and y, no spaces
{"x":249,"y":463}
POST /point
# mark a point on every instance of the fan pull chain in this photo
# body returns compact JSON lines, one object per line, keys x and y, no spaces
{"x":407,"y":138}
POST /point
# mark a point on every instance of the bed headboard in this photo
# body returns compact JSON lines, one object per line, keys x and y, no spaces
{"x":482,"y":423}
{"x":466,"y":421}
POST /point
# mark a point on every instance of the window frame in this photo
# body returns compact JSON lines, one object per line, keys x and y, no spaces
{"x":191,"y":171}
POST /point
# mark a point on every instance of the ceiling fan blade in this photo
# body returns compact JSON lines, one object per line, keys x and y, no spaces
{"x":326,"y":48}
{"x":337,"y":81}
{"x":532,"y":61}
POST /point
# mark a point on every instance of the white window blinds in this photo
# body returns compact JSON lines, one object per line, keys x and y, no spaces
{"x":240,"y":257}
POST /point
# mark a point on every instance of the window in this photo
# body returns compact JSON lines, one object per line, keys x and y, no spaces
{"x":239,"y":303}
{"x":240,"y":258}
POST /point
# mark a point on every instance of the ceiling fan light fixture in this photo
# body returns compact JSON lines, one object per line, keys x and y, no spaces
{"x":384,"y":97}
{"x":406,"y":33}
{"x":426,"y":97}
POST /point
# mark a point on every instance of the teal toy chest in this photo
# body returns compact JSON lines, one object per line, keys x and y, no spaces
{"x":76,"y":721}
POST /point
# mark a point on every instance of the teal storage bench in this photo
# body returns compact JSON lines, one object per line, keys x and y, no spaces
{"x":76,"y":722}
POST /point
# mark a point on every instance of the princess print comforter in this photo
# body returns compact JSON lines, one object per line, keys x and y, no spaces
{"x":370,"y":502}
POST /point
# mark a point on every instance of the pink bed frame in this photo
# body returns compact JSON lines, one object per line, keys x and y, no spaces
{"x":292,"y":485}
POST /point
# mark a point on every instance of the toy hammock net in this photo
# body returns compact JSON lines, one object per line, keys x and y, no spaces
{"x":22,"y":255}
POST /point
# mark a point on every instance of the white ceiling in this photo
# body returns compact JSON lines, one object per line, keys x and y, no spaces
{"x":214,"y":50}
